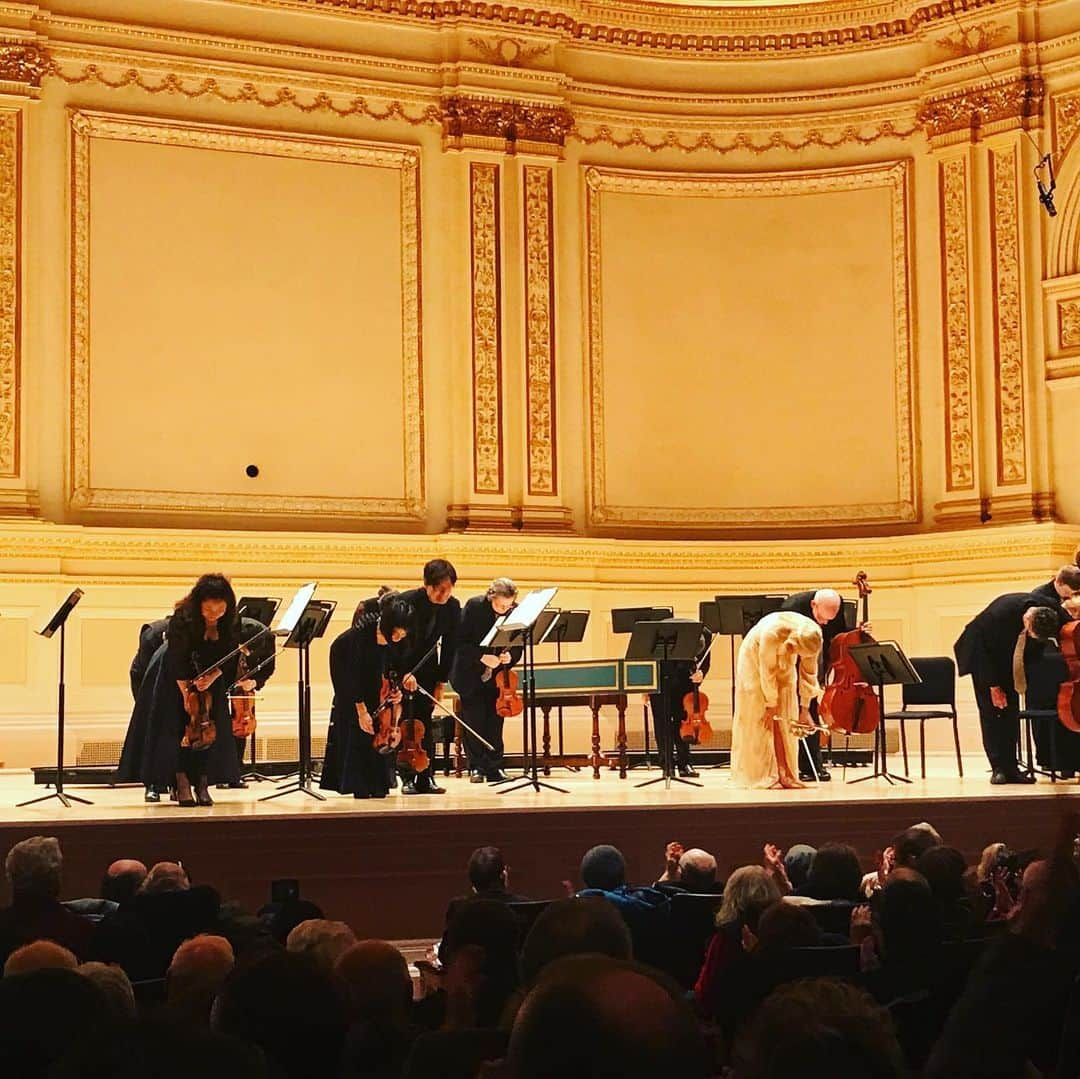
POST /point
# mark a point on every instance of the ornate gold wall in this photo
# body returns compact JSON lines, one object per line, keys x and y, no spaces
{"x":653,"y":301}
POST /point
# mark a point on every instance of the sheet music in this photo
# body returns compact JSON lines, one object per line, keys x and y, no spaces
{"x":528,"y":610}
{"x":295,"y":610}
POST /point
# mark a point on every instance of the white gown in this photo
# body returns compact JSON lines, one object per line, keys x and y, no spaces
{"x":766,"y":676}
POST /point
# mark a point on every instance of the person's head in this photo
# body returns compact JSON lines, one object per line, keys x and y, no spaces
{"x":115,"y":986}
{"x":1067,"y":581}
{"x":835,"y":873}
{"x":165,"y":877}
{"x":748,"y":890}
{"x":908,"y":917}
{"x":396,"y":617}
{"x":989,"y":860}
{"x":607,"y":1019}
{"x":377,"y":985}
{"x":479,"y":952}
{"x":825,"y":604}
{"x":943,"y":868}
{"x":797,"y":862}
{"x":819,"y":1026}
{"x":697,"y":870}
{"x":909,"y":846}
{"x":603,"y":867}
{"x":199,"y":967}
{"x":122,"y":880}
{"x":804,"y":641}
{"x":487,"y":870}
{"x":439,"y":580}
{"x":211,"y":603}
{"x":501,"y":594}
{"x":322,"y":941}
{"x":782,"y":926}
{"x":1041,"y":623}
{"x":577,"y":926}
{"x":289,"y":915}
{"x":34,"y":867}
{"x":289,"y":1008}
{"x":39,"y":955}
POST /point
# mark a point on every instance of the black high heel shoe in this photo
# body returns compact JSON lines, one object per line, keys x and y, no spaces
{"x":202,"y":796}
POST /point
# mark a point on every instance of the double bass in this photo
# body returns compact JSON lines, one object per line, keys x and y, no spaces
{"x":1068,"y":701}
{"x":849,"y":704}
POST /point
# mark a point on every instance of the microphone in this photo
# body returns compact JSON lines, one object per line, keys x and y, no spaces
{"x":1047,"y":186}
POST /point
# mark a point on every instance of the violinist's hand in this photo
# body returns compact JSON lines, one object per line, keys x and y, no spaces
{"x":408,"y":683}
{"x":504,"y":658}
{"x":395,"y":697}
{"x":489,"y":660}
{"x":697,"y":678}
{"x":364,"y":716}
{"x":247,"y":685}
{"x":866,"y":627}
{"x":997,"y":697}
{"x":206,"y":681}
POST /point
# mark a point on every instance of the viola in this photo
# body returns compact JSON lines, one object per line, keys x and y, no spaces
{"x":242,"y":705}
{"x":509,"y":702}
{"x":388,"y":718}
{"x":696,"y":724}
{"x":199,"y":731}
{"x":1068,"y":702}
{"x":412,"y":753}
{"x":849,"y":704}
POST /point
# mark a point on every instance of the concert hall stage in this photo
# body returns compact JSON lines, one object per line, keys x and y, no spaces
{"x":388,"y":867}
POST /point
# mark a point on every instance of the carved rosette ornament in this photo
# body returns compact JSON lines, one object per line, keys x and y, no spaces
{"x":1069,"y":323}
{"x":23,"y":62}
{"x":504,"y":125}
{"x":1008,"y":341}
{"x":486,"y":328}
{"x":9,"y":292}
{"x":975,"y":108}
{"x":959,"y":443}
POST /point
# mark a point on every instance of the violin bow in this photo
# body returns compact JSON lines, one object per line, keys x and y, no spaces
{"x":229,"y":655}
{"x":446,"y":712}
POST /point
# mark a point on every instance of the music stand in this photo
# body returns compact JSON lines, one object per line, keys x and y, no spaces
{"x":520,"y":628}
{"x":623,"y":620}
{"x":311,"y":624}
{"x":666,"y":641}
{"x":59,"y":622}
{"x":262,"y":609}
{"x":736,"y":616}
{"x":568,"y":628}
{"x":883,"y":664}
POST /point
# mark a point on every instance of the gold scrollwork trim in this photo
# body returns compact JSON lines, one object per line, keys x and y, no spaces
{"x":10,"y":190}
{"x":893,"y":176}
{"x":23,"y":62}
{"x":1008,"y":331}
{"x":1069,"y":323}
{"x":486,"y":327}
{"x":976,"y":107}
{"x":540,"y":329}
{"x":959,"y":427}
{"x":87,"y":126}
{"x":1066,"y":121}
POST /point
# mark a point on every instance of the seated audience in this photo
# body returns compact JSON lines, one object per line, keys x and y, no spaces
{"x":797,"y":862}
{"x":691,"y":870}
{"x":120,"y":883}
{"x":323,"y":941}
{"x":40,"y":955}
{"x":115,"y":987}
{"x":34,"y":870}
{"x":195,"y":976}
{"x":835,"y":874}
{"x":480,"y":964}
{"x":576,"y":926}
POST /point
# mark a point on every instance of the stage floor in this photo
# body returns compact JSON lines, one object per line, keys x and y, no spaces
{"x":389,"y":866}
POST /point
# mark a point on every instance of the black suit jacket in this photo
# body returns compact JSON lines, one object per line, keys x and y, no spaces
{"x":467,"y":671}
{"x":799,"y":602}
{"x":1048,"y":593}
{"x":433,"y":620}
{"x":985,"y":648}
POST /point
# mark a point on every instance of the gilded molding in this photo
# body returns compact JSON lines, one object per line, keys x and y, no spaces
{"x":977,"y":107}
{"x":87,"y":126}
{"x":540,"y":329}
{"x":970,"y":40}
{"x":959,"y":378}
{"x":1069,"y":323}
{"x":23,"y":62}
{"x":1008,"y":332}
{"x":10,"y":298}
{"x":508,"y":51}
{"x":501,"y":124}
{"x":486,"y":327}
{"x":894,"y":177}
{"x":1065,"y":112}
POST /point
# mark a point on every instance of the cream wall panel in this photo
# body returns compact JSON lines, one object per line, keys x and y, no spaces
{"x":103,"y":641}
{"x":13,"y":635}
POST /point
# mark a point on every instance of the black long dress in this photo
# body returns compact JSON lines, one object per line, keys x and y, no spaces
{"x":351,"y":764}
{"x":151,"y":751}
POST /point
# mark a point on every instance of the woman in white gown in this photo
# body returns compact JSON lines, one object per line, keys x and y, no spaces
{"x":772,"y":696}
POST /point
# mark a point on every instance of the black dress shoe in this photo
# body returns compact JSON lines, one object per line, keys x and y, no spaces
{"x":688,"y":771}
{"x":824,"y":775}
{"x":807,"y":777}
{"x":409,"y":788}
{"x":433,"y":788}
{"x":1025,"y":778}
{"x":187,"y":803}
{"x":476,"y":777}
{"x":498,"y":776}
{"x":999,"y":779}
{"x":1069,"y":774}
{"x":151,"y":795}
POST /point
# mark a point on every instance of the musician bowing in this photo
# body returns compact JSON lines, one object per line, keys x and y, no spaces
{"x":474,"y":677}
{"x":667,"y":715}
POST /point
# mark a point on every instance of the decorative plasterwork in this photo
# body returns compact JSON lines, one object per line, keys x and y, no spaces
{"x":504,"y":125}
{"x":508,"y":51}
{"x":970,"y":40}
{"x":1066,"y":121}
{"x":10,"y":157}
{"x":1069,"y":324}
{"x":701,"y":31}
{"x":959,"y":426}
{"x":87,"y":126}
{"x":1008,"y":332}
{"x":23,"y":62}
{"x":486,"y":327}
{"x":974,"y":108}
{"x":540,"y":329}
{"x":894,"y":177}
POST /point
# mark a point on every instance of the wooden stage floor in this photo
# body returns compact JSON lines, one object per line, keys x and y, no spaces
{"x":388,"y":867}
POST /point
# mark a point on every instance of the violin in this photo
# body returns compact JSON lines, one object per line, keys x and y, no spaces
{"x":509,"y":702}
{"x":849,"y":704}
{"x":199,"y":731}
{"x":388,"y":718}
{"x":242,"y":705}
{"x":1068,"y":701}
{"x":696,"y":725}
{"x":412,"y":753}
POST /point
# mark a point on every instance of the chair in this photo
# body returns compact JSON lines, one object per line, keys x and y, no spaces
{"x":1044,"y":678}
{"x":526,"y":912}
{"x":691,"y":923}
{"x":938,"y":687}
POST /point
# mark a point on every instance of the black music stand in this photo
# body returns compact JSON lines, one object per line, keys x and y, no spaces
{"x":524,"y":631}
{"x":568,"y":628}
{"x":883,"y":664}
{"x":312,"y":624}
{"x":59,"y":622}
{"x":735,"y":616}
{"x":261,"y":609}
{"x":623,"y":620}
{"x":666,"y":641}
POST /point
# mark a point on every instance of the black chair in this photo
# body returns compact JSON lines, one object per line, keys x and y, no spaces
{"x":1044,"y":678}
{"x":691,"y":924}
{"x":833,"y":917}
{"x":938,"y":687}
{"x":526,"y":912}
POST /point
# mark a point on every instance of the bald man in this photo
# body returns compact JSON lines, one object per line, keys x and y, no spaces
{"x":826,"y":607}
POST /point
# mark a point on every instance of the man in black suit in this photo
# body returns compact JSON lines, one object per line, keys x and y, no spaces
{"x":489,"y":879}
{"x":826,"y":608}
{"x":668,"y":712}
{"x":995,"y":649}
{"x":151,"y":638}
{"x":438,"y":617}
{"x":1062,"y":586}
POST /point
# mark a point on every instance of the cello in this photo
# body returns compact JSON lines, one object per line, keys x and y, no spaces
{"x":849,"y":704}
{"x":1068,"y":701}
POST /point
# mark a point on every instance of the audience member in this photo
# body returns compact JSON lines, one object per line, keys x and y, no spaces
{"x":40,"y":955}
{"x":195,"y":976}
{"x":34,"y":869}
{"x":281,"y":919}
{"x":122,"y":880}
{"x":165,"y":877}
{"x":782,"y":926}
{"x":797,"y":862}
{"x":576,"y":926}
{"x":691,"y":870}
{"x":115,"y":987}
{"x":835,"y":874}
{"x":323,"y":941}
{"x":480,"y":965}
